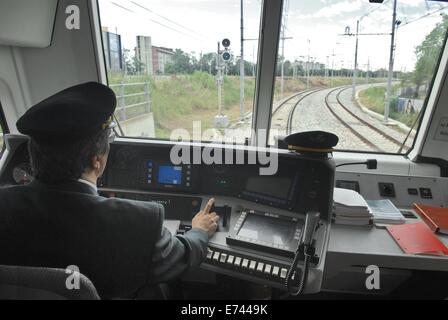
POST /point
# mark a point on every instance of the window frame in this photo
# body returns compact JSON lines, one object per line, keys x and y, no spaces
{"x":269,"y":36}
{"x":4,"y":128}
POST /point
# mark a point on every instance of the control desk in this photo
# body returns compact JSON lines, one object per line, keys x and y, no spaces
{"x":265,"y":212}
{"x":262,"y":217}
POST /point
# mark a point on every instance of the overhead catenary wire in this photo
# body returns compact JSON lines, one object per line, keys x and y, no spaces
{"x":167,"y":19}
{"x":423,"y":16}
{"x":154,"y":21}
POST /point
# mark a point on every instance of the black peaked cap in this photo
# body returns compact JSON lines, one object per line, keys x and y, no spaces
{"x":72,"y":113}
{"x":312,"y":140}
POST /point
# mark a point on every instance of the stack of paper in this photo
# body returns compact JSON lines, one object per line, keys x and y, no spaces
{"x":350,"y":208}
{"x":384,"y":212}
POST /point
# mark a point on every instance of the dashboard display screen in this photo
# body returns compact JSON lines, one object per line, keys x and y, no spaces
{"x":170,"y":175}
{"x":269,"y":230}
{"x":277,"y":187}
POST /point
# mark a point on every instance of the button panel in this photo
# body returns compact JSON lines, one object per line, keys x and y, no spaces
{"x":256,"y":267}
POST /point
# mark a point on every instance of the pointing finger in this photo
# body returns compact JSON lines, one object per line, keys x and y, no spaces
{"x":209,"y":205}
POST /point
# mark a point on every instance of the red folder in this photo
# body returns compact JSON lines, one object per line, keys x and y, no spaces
{"x":417,"y":238}
{"x":435,"y":217}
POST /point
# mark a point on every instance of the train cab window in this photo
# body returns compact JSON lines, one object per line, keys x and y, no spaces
{"x":175,"y":67}
{"x":360,"y":70}
{"x":3,"y":129}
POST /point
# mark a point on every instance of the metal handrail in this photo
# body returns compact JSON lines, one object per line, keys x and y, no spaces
{"x":132,"y":95}
{"x":132,"y":105}
{"x":127,"y":84}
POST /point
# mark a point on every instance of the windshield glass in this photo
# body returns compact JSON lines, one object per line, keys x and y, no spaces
{"x":360,"y":70}
{"x":175,"y":66}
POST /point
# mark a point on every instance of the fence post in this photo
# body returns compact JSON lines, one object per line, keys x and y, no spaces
{"x":148,"y":96}
{"x":122,"y":102}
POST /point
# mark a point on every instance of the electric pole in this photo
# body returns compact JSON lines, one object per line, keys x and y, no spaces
{"x":242,"y":65}
{"x":355,"y":68}
{"x":368,"y":69}
{"x":308,"y":66}
{"x":391,"y":65}
{"x":219,"y":77}
{"x":282,"y":84}
{"x":332,"y":68}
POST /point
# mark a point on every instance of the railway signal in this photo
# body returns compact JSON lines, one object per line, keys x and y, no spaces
{"x":222,"y":57}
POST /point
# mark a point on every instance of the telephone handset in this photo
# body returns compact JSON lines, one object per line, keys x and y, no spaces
{"x":306,"y":249}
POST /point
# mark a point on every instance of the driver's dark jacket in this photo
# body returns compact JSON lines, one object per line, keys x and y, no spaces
{"x":120,"y":245}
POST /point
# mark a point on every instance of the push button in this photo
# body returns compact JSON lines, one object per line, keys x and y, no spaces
{"x":237,"y":262}
{"x":245,"y":264}
{"x":267,"y":269}
{"x":275,"y":271}
{"x":230,"y":259}
{"x":223,"y":258}
{"x":283,"y":273}
{"x":216,"y":256}
{"x":209,"y":254}
{"x":252,"y":265}
{"x":260,"y":267}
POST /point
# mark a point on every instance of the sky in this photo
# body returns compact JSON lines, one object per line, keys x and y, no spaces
{"x":314,"y":28}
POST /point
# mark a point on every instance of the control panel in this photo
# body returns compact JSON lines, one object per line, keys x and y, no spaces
{"x":403,"y":191}
{"x":165,"y":176}
{"x":300,"y":183}
{"x":268,"y":271}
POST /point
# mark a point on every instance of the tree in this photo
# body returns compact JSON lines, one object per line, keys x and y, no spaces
{"x":127,"y":61}
{"x":137,"y":65}
{"x":182,"y":63}
{"x":427,"y":54}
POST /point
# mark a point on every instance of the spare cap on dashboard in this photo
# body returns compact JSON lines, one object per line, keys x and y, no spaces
{"x":75,"y":112}
{"x":311,"y":141}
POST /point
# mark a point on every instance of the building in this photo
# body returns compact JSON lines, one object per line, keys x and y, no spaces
{"x":144,"y":54}
{"x":160,"y":58}
{"x":113,"y":51}
{"x":311,"y":65}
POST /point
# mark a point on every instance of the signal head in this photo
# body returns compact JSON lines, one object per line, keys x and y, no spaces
{"x":226,"y":43}
{"x":226,"y":56}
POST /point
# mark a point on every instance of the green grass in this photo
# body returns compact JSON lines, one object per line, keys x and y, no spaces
{"x":175,"y":98}
{"x":374,"y":99}
{"x":178,"y":100}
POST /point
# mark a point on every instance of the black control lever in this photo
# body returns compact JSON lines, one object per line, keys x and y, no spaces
{"x":305,"y":248}
{"x":311,"y":221}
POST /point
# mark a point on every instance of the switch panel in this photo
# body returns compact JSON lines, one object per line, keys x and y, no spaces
{"x":386,"y":189}
{"x":425,"y":193}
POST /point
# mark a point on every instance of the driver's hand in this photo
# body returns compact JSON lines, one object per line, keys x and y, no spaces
{"x":206,"y":220}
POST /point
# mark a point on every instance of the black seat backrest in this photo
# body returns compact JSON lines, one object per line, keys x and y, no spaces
{"x":27,"y":283}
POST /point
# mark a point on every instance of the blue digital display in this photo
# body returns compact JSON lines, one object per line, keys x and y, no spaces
{"x":170,"y":175}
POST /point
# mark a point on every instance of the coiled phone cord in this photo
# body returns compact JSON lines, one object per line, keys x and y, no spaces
{"x":303,"y":276}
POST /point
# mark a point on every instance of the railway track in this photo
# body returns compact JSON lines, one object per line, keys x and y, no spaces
{"x":375,"y":137}
{"x":286,"y":110}
{"x":369,"y":134}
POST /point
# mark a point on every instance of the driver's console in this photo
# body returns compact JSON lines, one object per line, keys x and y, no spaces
{"x":262,"y":216}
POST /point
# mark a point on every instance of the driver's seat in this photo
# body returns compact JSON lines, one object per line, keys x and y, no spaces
{"x":32,"y":283}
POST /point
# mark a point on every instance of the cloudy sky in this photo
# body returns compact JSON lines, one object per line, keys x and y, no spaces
{"x":315,"y":26}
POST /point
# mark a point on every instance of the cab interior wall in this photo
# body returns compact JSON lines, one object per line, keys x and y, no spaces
{"x":30,"y":74}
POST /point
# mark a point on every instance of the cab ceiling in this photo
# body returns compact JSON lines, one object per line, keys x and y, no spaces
{"x":25,"y":23}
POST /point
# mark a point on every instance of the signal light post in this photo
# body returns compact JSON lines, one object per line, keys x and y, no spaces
{"x":222,"y":57}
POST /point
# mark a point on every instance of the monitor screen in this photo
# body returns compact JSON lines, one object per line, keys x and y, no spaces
{"x":170,"y":175}
{"x":272,"y":230}
{"x":277,"y":187}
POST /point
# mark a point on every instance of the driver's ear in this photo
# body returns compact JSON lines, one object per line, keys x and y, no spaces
{"x":96,"y":163}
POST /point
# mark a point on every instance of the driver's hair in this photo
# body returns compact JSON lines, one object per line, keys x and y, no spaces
{"x":60,"y":160}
